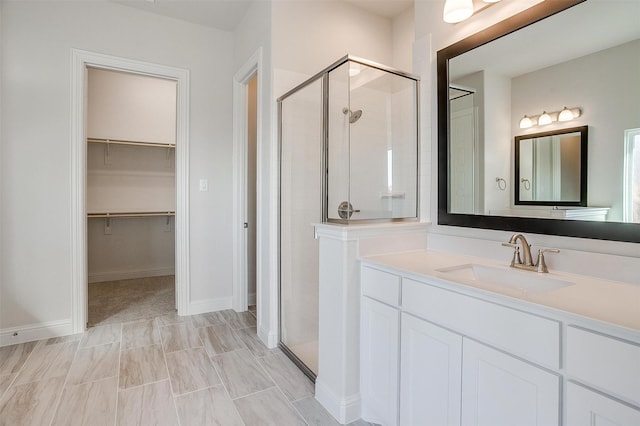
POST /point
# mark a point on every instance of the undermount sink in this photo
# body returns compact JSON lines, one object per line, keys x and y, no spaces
{"x":526,"y":281}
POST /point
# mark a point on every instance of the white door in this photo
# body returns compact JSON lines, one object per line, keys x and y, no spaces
{"x":379,"y":362}
{"x":585,"y":407}
{"x":462,"y":169}
{"x":430,"y":374}
{"x":500,"y":390}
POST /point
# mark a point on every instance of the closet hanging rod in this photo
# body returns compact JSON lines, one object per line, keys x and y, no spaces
{"x":132,"y":143}
{"x":147,"y":214}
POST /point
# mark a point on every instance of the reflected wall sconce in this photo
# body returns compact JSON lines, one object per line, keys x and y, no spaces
{"x":567,"y":114}
{"x":458,"y":10}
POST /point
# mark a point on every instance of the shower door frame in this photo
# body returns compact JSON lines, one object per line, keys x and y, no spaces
{"x":324,"y":75}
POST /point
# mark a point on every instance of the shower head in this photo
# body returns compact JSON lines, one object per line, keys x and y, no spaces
{"x":353,"y":115}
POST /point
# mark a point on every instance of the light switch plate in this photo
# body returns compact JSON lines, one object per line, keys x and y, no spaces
{"x":204,"y":185}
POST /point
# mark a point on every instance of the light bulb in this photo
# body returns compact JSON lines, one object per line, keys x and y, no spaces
{"x":525,"y":122}
{"x":544,"y":119}
{"x":457,"y":10}
{"x":565,"y":115}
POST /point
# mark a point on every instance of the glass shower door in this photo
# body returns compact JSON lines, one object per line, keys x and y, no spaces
{"x":300,"y":207}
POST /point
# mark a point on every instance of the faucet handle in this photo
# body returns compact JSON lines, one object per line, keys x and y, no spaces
{"x":515,"y":260}
{"x":542,"y":265}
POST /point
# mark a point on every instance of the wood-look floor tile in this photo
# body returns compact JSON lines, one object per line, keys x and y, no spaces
{"x":48,"y":361}
{"x":191,"y":370}
{"x":32,"y":403}
{"x":207,"y":319}
{"x":150,"y":404}
{"x":253,"y":342}
{"x":94,"y":363}
{"x":314,"y":413}
{"x":91,"y":403}
{"x":62,"y":339}
{"x":177,"y":337}
{"x":140,"y":333}
{"x":293,"y":383}
{"x":267,"y":408}
{"x":239,"y":319}
{"x":140,"y":366}
{"x":101,"y":335}
{"x":13,"y":357}
{"x":206,"y":407}
{"x":240,"y":373}
{"x":220,"y":338}
{"x":169,"y":319}
{"x":5,"y":382}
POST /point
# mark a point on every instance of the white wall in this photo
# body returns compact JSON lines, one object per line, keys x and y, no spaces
{"x":403,"y":34}
{"x":432,"y":34}
{"x":126,"y":106}
{"x":36,"y":196}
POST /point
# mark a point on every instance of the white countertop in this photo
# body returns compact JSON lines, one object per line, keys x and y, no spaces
{"x":612,"y":302}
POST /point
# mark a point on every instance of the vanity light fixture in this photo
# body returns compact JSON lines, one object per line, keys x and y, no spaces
{"x":458,"y":10}
{"x":525,"y":122}
{"x":544,"y":119}
{"x":567,"y":114}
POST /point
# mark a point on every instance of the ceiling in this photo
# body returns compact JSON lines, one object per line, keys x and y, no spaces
{"x":227,"y":14}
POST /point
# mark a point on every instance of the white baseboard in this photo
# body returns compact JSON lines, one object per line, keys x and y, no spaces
{"x":98,"y":277}
{"x":209,"y":305}
{"x":31,"y":332}
{"x":344,"y":410}
{"x":251,"y":299}
{"x":269,"y":339}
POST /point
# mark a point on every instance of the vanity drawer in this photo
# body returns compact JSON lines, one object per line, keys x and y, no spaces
{"x":529,"y":336}
{"x":604,"y":362}
{"x":381,"y":286}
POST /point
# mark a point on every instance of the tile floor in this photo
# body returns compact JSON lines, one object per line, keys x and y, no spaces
{"x":208,"y":369}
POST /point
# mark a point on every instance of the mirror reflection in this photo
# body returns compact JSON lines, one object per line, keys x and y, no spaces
{"x":539,"y":71}
{"x":551,"y":168}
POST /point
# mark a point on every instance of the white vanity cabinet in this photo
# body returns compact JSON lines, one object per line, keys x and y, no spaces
{"x":430,"y":374}
{"x":501,"y":390}
{"x":380,"y":338}
{"x":469,"y":359}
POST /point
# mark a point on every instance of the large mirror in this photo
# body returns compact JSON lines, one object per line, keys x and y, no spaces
{"x":551,"y":168}
{"x":516,"y":79}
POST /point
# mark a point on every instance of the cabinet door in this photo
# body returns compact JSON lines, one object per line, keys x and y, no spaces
{"x":379,"y":362}
{"x":430,"y":374}
{"x":585,"y":407}
{"x":500,"y":390}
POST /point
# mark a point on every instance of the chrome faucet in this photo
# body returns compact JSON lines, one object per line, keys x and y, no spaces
{"x":527,"y":262}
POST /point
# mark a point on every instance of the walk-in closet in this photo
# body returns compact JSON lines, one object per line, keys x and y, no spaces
{"x":131,"y":196}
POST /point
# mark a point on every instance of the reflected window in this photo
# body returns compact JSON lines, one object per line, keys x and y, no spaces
{"x":632,"y":175}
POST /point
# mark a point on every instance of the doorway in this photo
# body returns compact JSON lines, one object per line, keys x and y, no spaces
{"x":251,"y":190}
{"x":81,"y":60}
{"x":130,"y":198}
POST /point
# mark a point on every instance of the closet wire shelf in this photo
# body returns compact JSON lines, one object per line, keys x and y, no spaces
{"x":132,"y":143}
{"x":128,"y":214}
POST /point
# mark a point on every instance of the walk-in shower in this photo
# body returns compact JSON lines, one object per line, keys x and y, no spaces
{"x":348,"y":155}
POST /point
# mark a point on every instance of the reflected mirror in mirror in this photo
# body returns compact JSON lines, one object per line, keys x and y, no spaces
{"x":525,"y":65}
{"x":551,"y":168}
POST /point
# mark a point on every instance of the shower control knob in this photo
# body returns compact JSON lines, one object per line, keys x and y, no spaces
{"x":345,"y":210}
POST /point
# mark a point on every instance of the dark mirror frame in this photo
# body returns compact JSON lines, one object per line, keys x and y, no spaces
{"x":614,"y":231}
{"x":582,"y":202}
